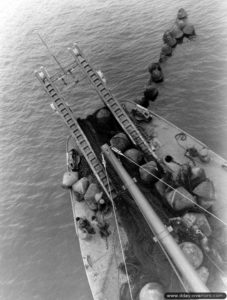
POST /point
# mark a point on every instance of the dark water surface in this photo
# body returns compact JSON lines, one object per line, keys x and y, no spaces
{"x":40,"y":256}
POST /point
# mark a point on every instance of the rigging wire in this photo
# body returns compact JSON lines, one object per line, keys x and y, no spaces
{"x":115,"y":256}
{"x":172,"y":264}
{"x":52,"y":55}
{"x":215,"y":264}
{"x":175,"y":190}
{"x":66,"y":70}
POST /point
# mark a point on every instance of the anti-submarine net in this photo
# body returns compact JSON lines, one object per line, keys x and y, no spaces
{"x":144,"y":259}
{"x":141,"y":250}
{"x":99,"y":133}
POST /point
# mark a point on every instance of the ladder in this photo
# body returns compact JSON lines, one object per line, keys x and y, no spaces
{"x":109,"y":100}
{"x":66,"y":114}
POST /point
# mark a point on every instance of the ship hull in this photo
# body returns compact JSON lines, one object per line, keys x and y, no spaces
{"x":102,"y":257}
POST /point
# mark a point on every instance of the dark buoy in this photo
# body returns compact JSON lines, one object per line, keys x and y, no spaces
{"x":154,"y":66}
{"x":177,"y":33}
{"x":182,"y":14}
{"x":169,"y":39}
{"x":149,"y":172}
{"x":142,"y":101}
{"x":134,"y":155}
{"x":120,"y":141}
{"x":103,"y":116}
{"x":180,"y":199}
{"x":162,"y":58}
{"x":166,"y":50}
{"x":150,"y":93}
{"x":189,"y":30}
{"x":157,"y":76}
{"x":156,"y":72}
{"x":180,"y":23}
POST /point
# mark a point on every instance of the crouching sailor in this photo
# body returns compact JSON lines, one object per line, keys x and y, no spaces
{"x":102,"y":225}
{"x":74,"y":160}
{"x":85,"y":230}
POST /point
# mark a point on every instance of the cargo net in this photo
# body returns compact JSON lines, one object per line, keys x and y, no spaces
{"x":144,"y":259}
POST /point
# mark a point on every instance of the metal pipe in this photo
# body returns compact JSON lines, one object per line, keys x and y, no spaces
{"x":157,"y":226}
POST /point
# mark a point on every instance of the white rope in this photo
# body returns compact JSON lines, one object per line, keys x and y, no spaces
{"x":116,"y":221}
{"x":208,"y":212}
{"x":116,"y":260}
{"x":214,"y":263}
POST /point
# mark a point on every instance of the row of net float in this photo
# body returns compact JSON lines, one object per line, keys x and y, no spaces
{"x":181,"y":28}
{"x":171,"y":37}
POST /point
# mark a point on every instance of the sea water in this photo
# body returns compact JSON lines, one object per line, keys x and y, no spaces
{"x":39,"y":251}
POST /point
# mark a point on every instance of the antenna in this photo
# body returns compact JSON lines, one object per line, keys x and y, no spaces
{"x":54,"y":57}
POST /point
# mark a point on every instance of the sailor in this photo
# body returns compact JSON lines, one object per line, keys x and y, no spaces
{"x":83,"y":223}
{"x":154,"y":142}
{"x":102,"y":226}
{"x":169,"y":39}
{"x":142,"y":101}
{"x":74,"y":160}
{"x":103,"y":204}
